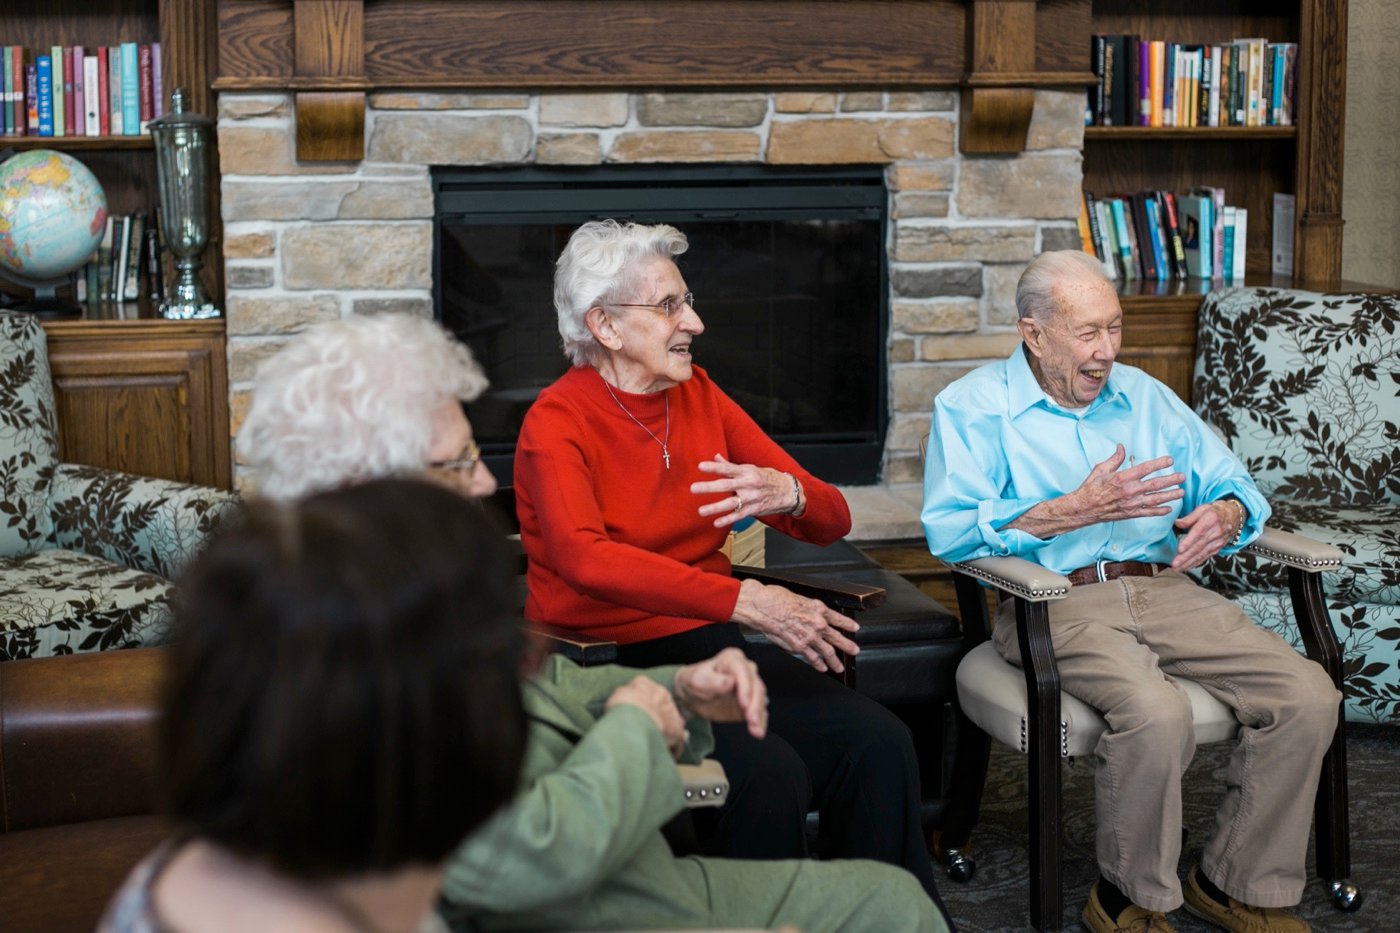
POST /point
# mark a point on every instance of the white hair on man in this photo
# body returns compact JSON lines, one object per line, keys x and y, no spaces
{"x":1037,"y":295}
{"x":352,"y":400}
{"x":597,"y":266}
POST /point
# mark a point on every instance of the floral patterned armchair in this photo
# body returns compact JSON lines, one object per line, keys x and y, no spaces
{"x":1305,"y":387}
{"x":86,"y":554}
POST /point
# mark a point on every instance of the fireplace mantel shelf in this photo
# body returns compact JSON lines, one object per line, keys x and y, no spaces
{"x":331,"y":54}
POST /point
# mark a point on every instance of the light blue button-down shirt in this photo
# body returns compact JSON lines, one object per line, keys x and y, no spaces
{"x":998,"y":446}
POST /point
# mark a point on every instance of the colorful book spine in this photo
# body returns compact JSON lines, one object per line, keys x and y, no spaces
{"x":131,"y":90}
{"x":114,"y":81}
{"x":75,"y":64}
{"x":1227,"y":266}
{"x":45,"y":94}
{"x":1123,"y":230}
{"x":20,"y":76}
{"x":1241,"y":243}
{"x":157,"y":83}
{"x":31,"y":96}
{"x":92,"y":112}
{"x":1173,"y":218}
{"x":1196,"y":233}
{"x":7,"y":91}
{"x":1112,"y":261}
{"x":104,"y":93}
{"x":56,"y":70}
{"x":1144,"y":83}
{"x":146,"y":84}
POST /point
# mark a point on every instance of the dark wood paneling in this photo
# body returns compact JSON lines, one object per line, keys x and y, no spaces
{"x":147,"y":397}
{"x":255,"y":41}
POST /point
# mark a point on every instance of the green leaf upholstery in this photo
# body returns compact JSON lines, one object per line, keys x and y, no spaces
{"x":1305,"y":387}
{"x":87,"y":555}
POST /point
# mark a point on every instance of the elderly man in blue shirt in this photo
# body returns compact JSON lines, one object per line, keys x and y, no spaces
{"x":1099,"y":472}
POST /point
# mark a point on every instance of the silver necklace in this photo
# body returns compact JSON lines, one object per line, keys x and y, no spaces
{"x":665,"y":450}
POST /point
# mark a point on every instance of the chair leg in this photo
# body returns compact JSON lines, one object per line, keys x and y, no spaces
{"x":1043,"y":695}
{"x":1330,"y":810}
{"x":965,"y":801}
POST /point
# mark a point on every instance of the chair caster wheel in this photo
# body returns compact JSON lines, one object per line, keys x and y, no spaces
{"x":960,"y":865}
{"x":1345,"y":895}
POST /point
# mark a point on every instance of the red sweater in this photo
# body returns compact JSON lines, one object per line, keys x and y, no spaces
{"x":616,"y":547}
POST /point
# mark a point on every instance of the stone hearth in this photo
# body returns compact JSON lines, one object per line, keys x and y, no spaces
{"x":315,"y":241}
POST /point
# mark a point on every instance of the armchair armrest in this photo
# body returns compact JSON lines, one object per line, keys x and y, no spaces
{"x":144,"y":523}
{"x":583,"y":650}
{"x":1017,"y":576}
{"x":1295,"y":550}
{"x":840,"y":595}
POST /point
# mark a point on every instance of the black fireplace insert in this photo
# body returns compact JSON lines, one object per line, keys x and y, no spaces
{"x":787,"y":266}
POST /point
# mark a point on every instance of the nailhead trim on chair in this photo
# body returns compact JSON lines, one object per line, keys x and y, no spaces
{"x":1064,"y":738}
{"x":1036,"y":595}
{"x":1310,"y":564}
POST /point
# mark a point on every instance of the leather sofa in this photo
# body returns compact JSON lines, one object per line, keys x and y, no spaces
{"x":77,"y":783}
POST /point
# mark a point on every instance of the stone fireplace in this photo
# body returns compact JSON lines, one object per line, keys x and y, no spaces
{"x":306,"y":242}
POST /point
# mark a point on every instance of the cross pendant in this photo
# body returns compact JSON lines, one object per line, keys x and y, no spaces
{"x":666,"y":455}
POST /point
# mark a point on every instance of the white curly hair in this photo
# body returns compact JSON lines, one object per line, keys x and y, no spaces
{"x":600,"y":263}
{"x":352,"y":400}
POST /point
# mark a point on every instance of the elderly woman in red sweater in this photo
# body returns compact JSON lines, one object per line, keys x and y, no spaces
{"x":629,"y":471}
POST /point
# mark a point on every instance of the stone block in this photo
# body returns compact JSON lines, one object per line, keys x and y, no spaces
{"x":273,"y":316}
{"x":901,"y":350}
{"x":683,"y":109}
{"x":246,"y":354}
{"x":924,"y":242}
{"x":568,"y":149}
{"x":449,"y":138}
{"x":328,"y":199}
{"x":927,"y":204}
{"x":428,"y":100}
{"x":912,"y":388}
{"x":862,"y":101}
{"x":417,"y":306}
{"x":583,"y":109}
{"x":844,"y":141}
{"x":249,"y":245}
{"x":1059,"y":237}
{"x":1037,"y":185}
{"x":969,"y":347}
{"x":922,"y":176}
{"x":239,"y":276}
{"x":251,"y":107}
{"x":999,"y":292}
{"x":804,"y":102}
{"x":686,"y":146}
{"x":358,"y":255}
{"x":907,"y":431}
{"x":936,"y":101}
{"x":949,"y":316}
{"x":1057,"y":122}
{"x":937,"y":281}
{"x":907,"y":469}
{"x":267,"y":150}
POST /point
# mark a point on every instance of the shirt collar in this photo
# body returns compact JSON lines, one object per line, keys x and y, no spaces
{"x":1024,"y":392}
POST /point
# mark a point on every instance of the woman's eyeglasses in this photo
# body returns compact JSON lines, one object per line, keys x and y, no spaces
{"x":667,"y":306}
{"x":466,"y":463}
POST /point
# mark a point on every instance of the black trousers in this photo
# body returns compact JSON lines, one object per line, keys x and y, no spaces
{"x":828,"y":748}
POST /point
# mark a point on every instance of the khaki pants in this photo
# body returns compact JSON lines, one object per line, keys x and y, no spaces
{"x":1113,"y":643}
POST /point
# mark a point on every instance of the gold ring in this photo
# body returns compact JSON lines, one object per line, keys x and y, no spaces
{"x":739,"y":500}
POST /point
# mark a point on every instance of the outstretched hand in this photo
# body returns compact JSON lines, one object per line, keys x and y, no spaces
{"x":797,"y":624}
{"x":725,"y":688}
{"x":748,"y":490}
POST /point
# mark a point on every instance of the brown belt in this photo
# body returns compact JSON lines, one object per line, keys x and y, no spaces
{"x":1105,"y":570}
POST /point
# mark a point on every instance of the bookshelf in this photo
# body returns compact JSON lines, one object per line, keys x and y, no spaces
{"x":126,"y":164}
{"x":1250,"y":163}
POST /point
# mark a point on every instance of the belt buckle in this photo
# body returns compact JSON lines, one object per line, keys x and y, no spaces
{"x":1101,"y":571}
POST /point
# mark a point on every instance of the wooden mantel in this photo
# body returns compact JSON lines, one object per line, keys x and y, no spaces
{"x":330,"y":53}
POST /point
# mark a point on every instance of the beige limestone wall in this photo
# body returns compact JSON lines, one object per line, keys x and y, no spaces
{"x":1371,"y":177}
{"x":306,"y":243}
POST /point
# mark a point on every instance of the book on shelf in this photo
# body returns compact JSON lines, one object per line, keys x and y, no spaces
{"x":1173,"y":230}
{"x":157,"y":84}
{"x":92,"y":112}
{"x":1197,"y":222}
{"x":1111,"y":257}
{"x":31,"y":89}
{"x":1092,"y":210}
{"x":145,"y":85}
{"x":104,"y":93}
{"x":1285,"y":206}
{"x":114,"y":83}
{"x":1147,"y":252}
{"x":131,"y":90}
{"x":1086,"y":235}
{"x":1122,"y":231}
{"x":131,"y":289}
{"x":57,"y":96}
{"x":1116,"y":80}
{"x":74,"y":63}
{"x":44,"y":95}
{"x":153,"y":255}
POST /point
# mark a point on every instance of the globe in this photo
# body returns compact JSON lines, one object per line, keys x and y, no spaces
{"x":52,"y":215}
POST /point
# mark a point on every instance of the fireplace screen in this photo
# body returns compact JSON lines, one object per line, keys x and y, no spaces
{"x":787,"y":268}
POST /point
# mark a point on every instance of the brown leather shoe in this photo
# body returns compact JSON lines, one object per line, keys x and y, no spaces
{"x":1241,"y":918}
{"x":1133,"y":920}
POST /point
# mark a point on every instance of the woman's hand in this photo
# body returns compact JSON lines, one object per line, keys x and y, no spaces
{"x":748,"y":490}
{"x":725,"y":688}
{"x":796,"y":623}
{"x":656,"y":701}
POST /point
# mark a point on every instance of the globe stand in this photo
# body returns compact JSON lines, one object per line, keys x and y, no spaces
{"x":45,"y":301}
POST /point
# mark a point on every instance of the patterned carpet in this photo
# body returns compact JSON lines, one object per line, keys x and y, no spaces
{"x":997,"y":898}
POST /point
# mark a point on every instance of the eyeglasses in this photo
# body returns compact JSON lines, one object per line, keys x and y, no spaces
{"x":466,"y":463}
{"x":667,"y":306}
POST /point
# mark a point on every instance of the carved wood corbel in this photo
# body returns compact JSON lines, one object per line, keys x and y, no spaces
{"x":329,"y":80}
{"x":998,"y":93}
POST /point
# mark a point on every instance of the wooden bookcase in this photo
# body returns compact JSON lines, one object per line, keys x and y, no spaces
{"x":1250,"y":163}
{"x":126,"y":164}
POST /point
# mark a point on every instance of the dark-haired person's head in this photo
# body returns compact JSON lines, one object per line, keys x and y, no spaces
{"x":343,"y":695}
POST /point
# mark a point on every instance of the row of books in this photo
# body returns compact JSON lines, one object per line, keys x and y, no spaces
{"x":1163,"y":235}
{"x":76,"y":91}
{"x":130,"y":262}
{"x":1247,"y":82}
